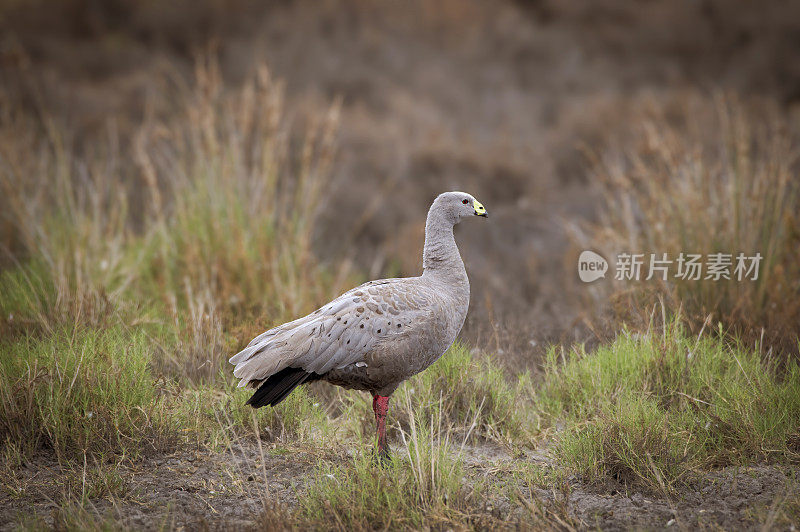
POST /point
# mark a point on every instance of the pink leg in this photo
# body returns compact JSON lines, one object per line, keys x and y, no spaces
{"x":380,"y":405}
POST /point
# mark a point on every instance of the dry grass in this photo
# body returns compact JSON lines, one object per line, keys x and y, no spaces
{"x":709,"y":176}
{"x":232,"y":212}
{"x":97,"y":301}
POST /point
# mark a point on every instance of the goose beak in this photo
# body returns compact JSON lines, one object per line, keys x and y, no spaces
{"x":480,"y":210}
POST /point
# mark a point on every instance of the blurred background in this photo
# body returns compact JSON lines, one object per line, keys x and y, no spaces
{"x":528,"y":105}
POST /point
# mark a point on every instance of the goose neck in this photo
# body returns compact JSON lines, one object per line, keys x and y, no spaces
{"x":441,"y":256}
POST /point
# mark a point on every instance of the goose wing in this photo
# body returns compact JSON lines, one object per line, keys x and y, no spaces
{"x":340,"y":333}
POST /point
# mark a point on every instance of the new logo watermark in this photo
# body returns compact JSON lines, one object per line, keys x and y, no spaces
{"x":686,"y":266}
{"x":591,"y":266}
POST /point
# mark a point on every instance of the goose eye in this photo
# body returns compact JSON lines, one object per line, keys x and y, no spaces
{"x":465,"y":201}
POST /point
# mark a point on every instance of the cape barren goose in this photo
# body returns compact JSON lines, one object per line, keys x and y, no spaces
{"x":375,"y":336}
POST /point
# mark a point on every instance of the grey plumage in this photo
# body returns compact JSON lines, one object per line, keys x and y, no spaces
{"x":375,"y":336}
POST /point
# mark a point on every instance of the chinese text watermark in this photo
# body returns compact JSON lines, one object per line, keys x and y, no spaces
{"x":661,"y":266}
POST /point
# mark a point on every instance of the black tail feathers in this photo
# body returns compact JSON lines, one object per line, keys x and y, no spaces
{"x":278,"y":386}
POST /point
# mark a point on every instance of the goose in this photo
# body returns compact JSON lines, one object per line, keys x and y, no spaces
{"x":375,"y":336}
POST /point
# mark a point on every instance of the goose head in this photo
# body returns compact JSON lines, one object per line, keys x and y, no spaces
{"x":455,"y":206}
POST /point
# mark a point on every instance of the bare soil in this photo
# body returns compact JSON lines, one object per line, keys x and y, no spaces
{"x":197,"y":489}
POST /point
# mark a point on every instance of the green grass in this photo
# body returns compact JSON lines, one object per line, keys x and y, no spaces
{"x":464,"y":389}
{"x":424,"y":485}
{"x":80,"y":391}
{"x":656,"y":407}
{"x":217,"y":415}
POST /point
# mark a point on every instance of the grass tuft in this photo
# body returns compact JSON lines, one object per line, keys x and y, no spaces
{"x":219,"y":415}
{"x":80,"y":391}
{"x":655,"y":407}
{"x":473,"y":395}
{"x":423,"y":487}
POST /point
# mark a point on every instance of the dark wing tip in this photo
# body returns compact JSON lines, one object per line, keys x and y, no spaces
{"x":278,"y":386}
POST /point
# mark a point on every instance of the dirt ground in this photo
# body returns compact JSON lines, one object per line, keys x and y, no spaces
{"x":197,"y":489}
{"x":228,"y":490}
